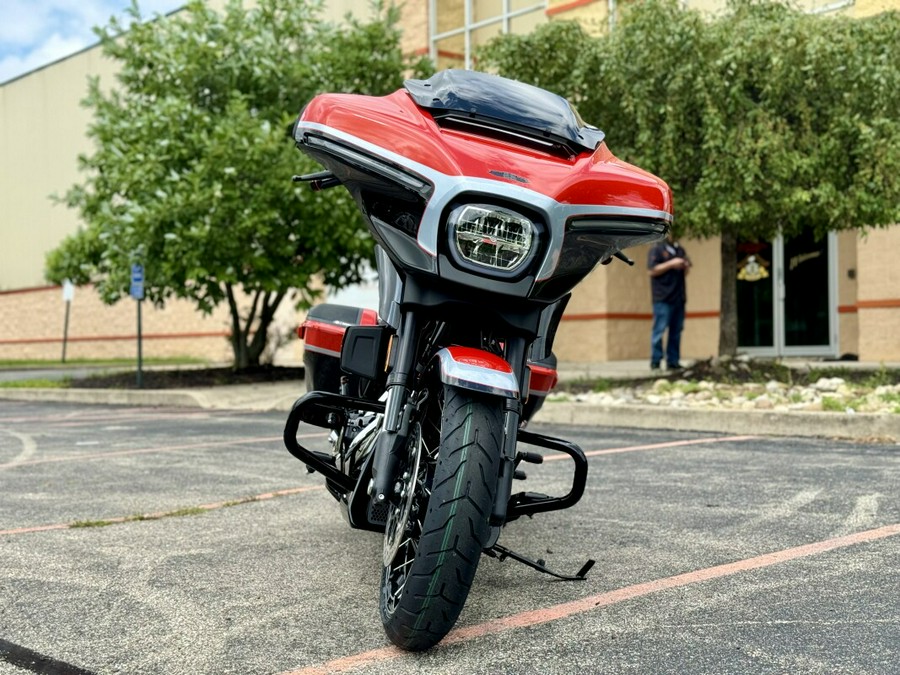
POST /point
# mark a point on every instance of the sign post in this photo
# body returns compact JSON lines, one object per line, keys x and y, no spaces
{"x":68,"y":292}
{"x":137,"y":292}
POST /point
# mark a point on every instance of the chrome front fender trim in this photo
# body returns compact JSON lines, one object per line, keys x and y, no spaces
{"x":477,"y":370}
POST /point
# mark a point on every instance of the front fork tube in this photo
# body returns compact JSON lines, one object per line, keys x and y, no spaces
{"x":511,"y":417}
{"x":516,"y":355}
{"x":398,"y":411}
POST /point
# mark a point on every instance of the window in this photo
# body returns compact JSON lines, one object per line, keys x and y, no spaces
{"x":459,"y":27}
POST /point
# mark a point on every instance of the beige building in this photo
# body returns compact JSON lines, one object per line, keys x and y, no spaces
{"x":823,"y":299}
{"x":818,"y":299}
{"x":42,"y":132}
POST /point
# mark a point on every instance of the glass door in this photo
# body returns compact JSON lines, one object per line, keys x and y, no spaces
{"x":808,"y":307}
{"x":755,"y":295}
{"x":787,"y":292}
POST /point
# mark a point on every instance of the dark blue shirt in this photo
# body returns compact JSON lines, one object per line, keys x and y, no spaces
{"x":668,"y":286}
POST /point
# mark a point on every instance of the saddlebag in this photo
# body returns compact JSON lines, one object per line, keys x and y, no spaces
{"x":325,"y":332}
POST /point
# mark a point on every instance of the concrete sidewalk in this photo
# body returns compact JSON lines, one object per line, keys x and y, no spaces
{"x":281,"y":396}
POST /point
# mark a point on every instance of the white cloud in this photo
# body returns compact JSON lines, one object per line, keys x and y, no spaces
{"x":36,"y":32}
{"x":50,"y":49}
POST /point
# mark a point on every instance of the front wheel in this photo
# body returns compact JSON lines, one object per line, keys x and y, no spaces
{"x":436,"y":534}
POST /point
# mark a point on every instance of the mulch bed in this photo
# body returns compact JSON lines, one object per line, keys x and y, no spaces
{"x":184,"y":378}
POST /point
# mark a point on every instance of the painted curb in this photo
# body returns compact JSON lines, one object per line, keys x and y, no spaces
{"x":868,"y":426}
{"x":149,"y":397}
{"x":859,"y":426}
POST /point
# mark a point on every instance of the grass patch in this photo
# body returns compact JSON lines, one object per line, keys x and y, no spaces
{"x":866,"y":378}
{"x":189,"y":511}
{"x":690,"y":387}
{"x":602,"y":385}
{"x":833,"y":404}
{"x":11,"y":364}
{"x":93,"y":523}
{"x":238,"y":502}
{"x":180,"y":378}
{"x":738,"y":371}
{"x":37,"y":383}
{"x":138,"y":517}
{"x":883,"y":377}
{"x":177,"y":513}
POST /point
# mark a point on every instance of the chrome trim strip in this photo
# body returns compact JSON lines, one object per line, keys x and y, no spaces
{"x":577,"y":211}
{"x":366,"y":160}
{"x":446,"y":188}
{"x":476,"y":378}
{"x":321,"y":350}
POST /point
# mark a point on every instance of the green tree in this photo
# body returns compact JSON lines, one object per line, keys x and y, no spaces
{"x":192,"y":160}
{"x":764,"y":120}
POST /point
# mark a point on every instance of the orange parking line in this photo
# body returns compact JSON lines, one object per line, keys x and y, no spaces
{"x":263,"y":497}
{"x":37,"y":528}
{"x":575,"y":607}
{"x":142,"y":451}
{"x":124,"y":413}
{"x":126,"y":419}
{"x":653,"y":446}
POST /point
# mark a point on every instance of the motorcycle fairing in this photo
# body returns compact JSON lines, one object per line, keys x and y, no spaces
{"x":643,"y":220}
{"x":477,"y":370}
{"x":413,"y":155}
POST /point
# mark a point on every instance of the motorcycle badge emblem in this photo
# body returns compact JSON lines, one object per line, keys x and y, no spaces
{"x":509,"y":176}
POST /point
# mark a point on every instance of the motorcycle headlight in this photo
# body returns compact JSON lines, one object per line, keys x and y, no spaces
{"x":491,"y":236}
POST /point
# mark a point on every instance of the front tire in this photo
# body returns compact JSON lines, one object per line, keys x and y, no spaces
{"x":425,"y":584}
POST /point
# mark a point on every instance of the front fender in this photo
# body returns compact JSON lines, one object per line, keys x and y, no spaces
{"x":477,"y":370}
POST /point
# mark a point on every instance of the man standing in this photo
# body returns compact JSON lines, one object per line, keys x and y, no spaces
{"x":668,"y":264}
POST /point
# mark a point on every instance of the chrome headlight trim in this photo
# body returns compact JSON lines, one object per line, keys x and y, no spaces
{"x":491,"y":238}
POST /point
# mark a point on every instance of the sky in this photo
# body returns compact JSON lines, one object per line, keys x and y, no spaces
{"x":34,"y":33}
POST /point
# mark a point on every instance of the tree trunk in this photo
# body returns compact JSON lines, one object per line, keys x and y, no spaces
{"x":238,"y":340}
{"x":248,"y":342}
{"x":257,"y":345}
{"x":728,"y":334}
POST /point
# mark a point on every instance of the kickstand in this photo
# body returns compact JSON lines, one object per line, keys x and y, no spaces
{"x":501,"y":553}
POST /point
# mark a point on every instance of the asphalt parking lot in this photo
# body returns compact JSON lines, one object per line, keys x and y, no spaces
{"x":201,"y":546}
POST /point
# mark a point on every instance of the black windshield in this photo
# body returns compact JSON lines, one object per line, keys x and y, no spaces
{"x":521,"y":106}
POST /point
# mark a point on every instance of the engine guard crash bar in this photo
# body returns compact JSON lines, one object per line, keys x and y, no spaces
{"x":328,"y":410}
{"x":528,"y":503}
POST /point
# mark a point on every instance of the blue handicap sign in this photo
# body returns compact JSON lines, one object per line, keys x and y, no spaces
{"x":137,"y":281}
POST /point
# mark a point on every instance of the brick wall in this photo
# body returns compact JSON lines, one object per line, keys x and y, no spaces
{"x":414,"y":19}
{"x":878,"y":304}
{"x":32,"y":324}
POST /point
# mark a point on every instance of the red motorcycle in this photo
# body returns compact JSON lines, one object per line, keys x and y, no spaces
{"x":489,"y":201}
